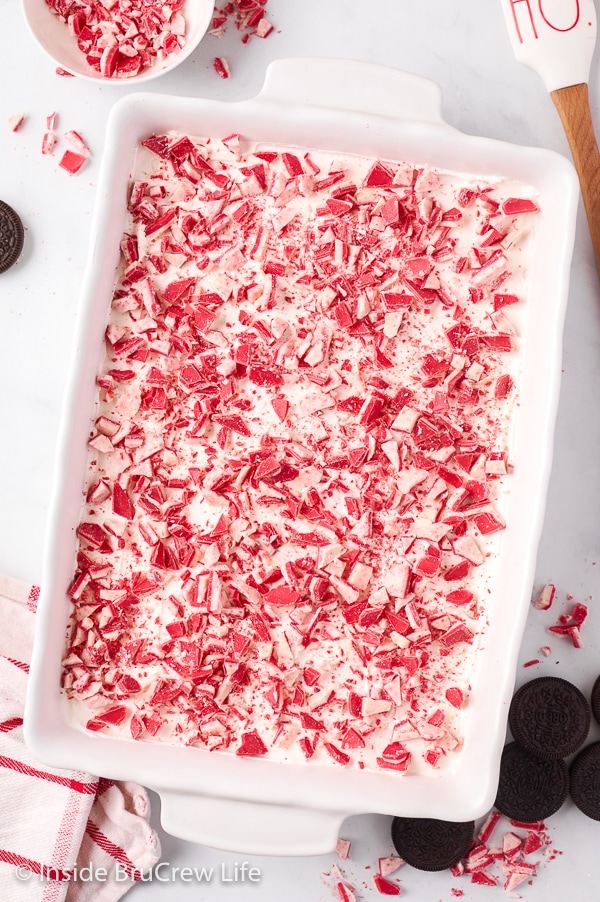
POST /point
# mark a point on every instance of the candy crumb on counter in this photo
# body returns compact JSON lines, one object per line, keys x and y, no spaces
{"x":385,"y":887}
{"x":342,"y":889}
{"x":63,"y":72}
{"x":77,"y":142}
{"x":248,"y":17}
{"x":345,"y":893}
{"x":510,"y":852}
{"x":264,"y":28}
{"x":48,"y":143}
{"x":504,"y":853}
{"x":221,"y":67}
{"x":16,"y":121}
{"x":343,"y":849}
{"x":390,"y":864}
{"x":545,"y":598}
{"x":49,"y":140}
{"x":568,"y":625}
{"x":72,"y":162}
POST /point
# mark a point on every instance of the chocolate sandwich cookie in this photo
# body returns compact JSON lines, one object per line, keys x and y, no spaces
{"x":595,"y":699}
{"x":530,"y":789}
{"x":585,"y":781}
{"x":431,"y":845}
{"x":11,"y":236}
{"x":549,"y":717}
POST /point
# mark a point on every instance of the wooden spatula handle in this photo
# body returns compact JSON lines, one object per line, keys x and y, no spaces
{"x":573,"y":106}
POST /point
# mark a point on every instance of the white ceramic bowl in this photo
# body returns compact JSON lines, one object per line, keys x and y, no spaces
{"x":54,"y":37}
{"x":259,"y":805}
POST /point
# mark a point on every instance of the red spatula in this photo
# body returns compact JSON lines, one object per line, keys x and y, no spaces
{"x":557,"y":39}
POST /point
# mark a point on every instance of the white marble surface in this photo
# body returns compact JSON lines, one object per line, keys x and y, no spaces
{"x":463,"y":46}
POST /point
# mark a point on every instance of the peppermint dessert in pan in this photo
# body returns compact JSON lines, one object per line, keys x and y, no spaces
{"x":300,"y":454}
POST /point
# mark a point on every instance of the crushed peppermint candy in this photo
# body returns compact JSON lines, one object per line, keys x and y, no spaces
{"x":504,"y":853}
{"x":122,"y":38}
{"x":343,"y":890}
{"x":48,"y":142}
{"x":299,"y":455}
{"x":73,"y":159}
{"x":505,"y":860}
{"x":16,"y":121}
{"x":221,"y":67}
{"x":545,"y":598}
{"x":569,"y":623}
{"x":249,"y":17}
{"x":385,"y":887}
{"x":343,"y":849}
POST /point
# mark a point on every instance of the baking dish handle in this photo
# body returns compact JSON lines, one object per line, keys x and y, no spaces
{"x":356,"y":86}
{"x":250,"y":828}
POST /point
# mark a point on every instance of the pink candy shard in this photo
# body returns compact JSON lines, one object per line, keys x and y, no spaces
{"x":395,"y":757}
{"x":261,"y":376}
{"x":344,"y":893}
{"x":337,"y":754}
{"x":518,"y":205}
{"x":15,"y":122}
{"x":389,"y":864}
{"x":264,"y":28}
{"x":282,"y":595}
{"x":385,"y":887}
{"x":460,"y":596}
{"x":487,"y":523}
{"x":114,"y":715}
{"x":343,"y":848}
{"x":545,"y":598}
{"x":72,"y":162}
{"x":378,"y":176}
{"x":136,"y":727}
{"x":48,"y":143}
{"x":122,"y":503}
{"x":280,"y":406}
{"x":77,"y":142}
{"x":221,"y":67}
{"x":251,"y":745}
{"x":92,"y":533}
{"x":455,"y":697}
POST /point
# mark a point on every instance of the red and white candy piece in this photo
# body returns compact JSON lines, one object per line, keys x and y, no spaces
{"x":16,"y":121}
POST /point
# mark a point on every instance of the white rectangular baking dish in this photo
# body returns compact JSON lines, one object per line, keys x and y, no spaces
{"x":257,"y":805}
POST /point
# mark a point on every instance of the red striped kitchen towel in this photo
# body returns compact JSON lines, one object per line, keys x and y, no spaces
{"x":65,"y":836}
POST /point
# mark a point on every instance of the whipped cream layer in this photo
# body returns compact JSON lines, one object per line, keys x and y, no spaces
{"x":300,"y":455}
